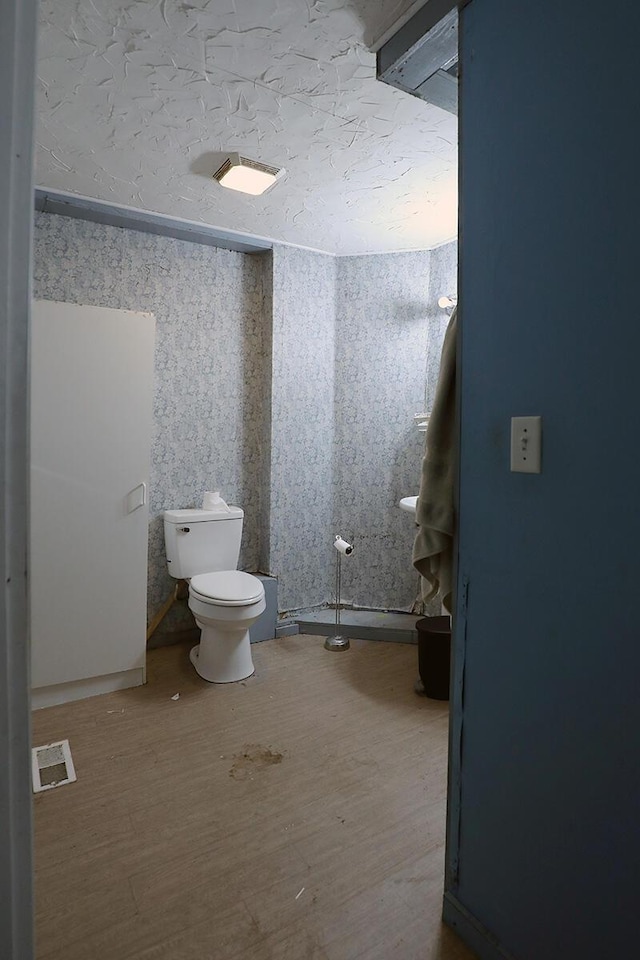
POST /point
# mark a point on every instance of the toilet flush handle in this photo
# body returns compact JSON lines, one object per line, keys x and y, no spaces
{"x":185,"y":529}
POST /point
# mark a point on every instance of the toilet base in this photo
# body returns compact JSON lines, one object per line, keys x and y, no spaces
{"x":218,"y":661}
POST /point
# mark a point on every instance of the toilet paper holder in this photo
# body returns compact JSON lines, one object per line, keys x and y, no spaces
{"x":343,"y":549}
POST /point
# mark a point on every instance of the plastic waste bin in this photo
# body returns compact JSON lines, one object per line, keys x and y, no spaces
{"x":434,"y":655}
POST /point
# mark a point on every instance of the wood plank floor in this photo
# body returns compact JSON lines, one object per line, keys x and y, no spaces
{"x":298,"y":815}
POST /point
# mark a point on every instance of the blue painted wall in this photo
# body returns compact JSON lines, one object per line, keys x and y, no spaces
{"x":549,"y":842}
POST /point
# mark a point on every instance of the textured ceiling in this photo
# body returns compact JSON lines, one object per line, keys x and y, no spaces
{"x":138,"y":101}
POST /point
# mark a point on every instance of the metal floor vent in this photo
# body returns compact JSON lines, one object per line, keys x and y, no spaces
{"x":51,"y":766}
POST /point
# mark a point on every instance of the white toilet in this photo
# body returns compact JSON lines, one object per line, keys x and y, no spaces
{"x":203,"y":547}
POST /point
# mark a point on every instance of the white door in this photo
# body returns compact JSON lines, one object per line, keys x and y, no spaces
{"x":91,"y":419}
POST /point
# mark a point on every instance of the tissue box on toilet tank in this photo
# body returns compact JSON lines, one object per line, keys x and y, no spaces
{"x":265,"y":626}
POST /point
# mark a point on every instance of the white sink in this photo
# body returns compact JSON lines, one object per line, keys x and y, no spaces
{"x":409,"y":504}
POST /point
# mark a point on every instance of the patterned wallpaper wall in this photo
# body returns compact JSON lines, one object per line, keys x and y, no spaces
{"x":302,"y":384}
{"x":287,"y":379}
{"x":356,"y":353}
{"x":443,"y":281}
{"x":208,"y":369}
{"x":389,"y":334}
{"x":264,"y":481}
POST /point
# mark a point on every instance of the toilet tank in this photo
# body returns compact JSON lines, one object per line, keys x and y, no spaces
{"x":202,"y":541}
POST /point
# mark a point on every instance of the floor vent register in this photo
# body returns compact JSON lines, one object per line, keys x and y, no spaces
{"x":51,"y":766}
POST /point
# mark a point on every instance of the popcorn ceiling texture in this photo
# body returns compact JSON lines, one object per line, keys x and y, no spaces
{"x":288,"y":378}
{"x":138,"y":103}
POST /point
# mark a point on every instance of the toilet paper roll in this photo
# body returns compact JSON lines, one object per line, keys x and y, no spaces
{"x":343,"y":547}
{"x":213,"y":501}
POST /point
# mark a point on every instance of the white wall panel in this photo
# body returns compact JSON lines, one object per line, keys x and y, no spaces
{"x":91,"y":408}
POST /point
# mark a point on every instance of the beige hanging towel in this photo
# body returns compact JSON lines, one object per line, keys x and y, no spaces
{"x":433,"y":547}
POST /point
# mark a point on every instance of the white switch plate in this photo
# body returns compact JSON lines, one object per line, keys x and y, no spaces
{"x":526,"y":444}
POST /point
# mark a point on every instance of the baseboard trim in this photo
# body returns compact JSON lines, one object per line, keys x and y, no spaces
{"x":287,"y":628}
{"x":357,"y":631}
{"x":471,"y":931}
{"x":59,"y":693}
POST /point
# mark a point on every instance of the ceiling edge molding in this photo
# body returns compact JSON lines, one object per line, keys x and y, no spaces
{"x":392,"y":28}
{"x":130,"y":218}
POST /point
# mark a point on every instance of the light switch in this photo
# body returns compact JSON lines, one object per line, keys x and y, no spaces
{"x":526,"y":444}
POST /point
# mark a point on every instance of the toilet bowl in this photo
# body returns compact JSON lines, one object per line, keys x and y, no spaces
{"x":203,"y":547}
{"x":225,"y":605}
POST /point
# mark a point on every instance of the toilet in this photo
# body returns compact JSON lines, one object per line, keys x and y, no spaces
{"x":203,"y":547}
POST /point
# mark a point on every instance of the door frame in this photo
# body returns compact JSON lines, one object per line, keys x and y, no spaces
{"x":17,"y":83}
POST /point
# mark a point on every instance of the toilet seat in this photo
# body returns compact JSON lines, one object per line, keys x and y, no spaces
{"x":227,"y":588}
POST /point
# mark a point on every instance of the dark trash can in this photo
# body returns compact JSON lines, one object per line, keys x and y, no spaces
{"x":434,"y":655}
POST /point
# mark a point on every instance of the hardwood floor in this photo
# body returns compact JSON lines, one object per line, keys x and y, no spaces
{"x":298,"y":815}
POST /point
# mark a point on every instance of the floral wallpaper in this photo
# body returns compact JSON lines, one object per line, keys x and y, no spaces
{"x":389,"y":333}
{"x":443,"y":281}
{"x":302,"y":406}
{"x":288,"y":380}
{"x":208,"y":366}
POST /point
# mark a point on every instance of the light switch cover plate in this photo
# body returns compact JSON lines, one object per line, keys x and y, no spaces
{"x":526,"y":444}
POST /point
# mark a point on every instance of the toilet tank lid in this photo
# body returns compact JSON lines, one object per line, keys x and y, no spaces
{"x":201,"y":516}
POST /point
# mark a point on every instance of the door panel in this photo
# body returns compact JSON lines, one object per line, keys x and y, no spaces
{"x":91,"y":420}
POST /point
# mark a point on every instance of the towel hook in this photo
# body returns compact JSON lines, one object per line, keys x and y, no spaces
{"x":446,"y":303}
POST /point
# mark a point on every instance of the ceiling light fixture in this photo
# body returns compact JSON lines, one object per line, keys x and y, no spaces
{"x":247,"y":176}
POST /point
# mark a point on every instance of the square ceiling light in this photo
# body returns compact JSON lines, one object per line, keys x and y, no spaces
{"x":247,"y":176}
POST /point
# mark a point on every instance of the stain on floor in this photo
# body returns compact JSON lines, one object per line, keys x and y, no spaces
{"x":253,"y":759}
